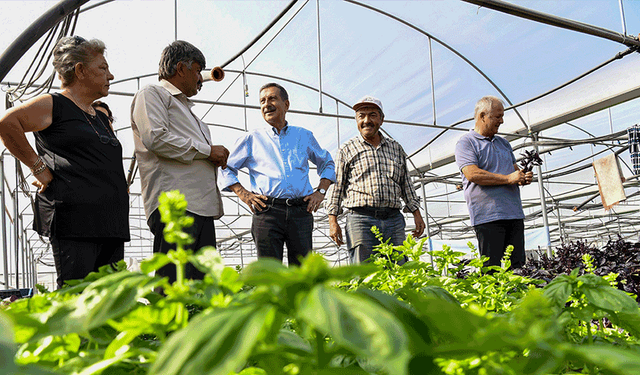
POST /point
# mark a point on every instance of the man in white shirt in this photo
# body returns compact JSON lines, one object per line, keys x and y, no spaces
{"x":174,"y":150}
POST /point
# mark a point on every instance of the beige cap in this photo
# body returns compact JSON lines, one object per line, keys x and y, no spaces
{"x":368,"y":100}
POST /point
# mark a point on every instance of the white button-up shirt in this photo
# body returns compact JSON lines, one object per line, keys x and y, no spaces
{"x":172,"y":146}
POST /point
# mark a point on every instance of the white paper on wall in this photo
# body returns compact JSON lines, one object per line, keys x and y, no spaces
{"x":609,"y":177}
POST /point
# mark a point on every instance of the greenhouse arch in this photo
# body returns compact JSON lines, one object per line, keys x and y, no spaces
{"x":572,"y":118}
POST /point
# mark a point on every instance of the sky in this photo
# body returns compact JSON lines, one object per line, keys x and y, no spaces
{"x":364,"y":52}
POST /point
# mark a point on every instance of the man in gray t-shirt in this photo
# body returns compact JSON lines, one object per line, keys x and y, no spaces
{"x":490,"y":177}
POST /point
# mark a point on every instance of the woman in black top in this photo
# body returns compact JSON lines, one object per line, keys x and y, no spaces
{"x":82,"y":203}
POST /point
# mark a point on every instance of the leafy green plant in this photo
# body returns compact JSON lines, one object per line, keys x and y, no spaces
{"x":589,"y":298}
{"x":100,"y":323}
{"x":497,"y":290}
{"x":467,"y":281}
{"x":378,"y":318}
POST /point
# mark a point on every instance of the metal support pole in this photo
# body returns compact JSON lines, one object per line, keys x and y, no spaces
{"x":34,"y":269}
{"x":29,"y":254}
{"x":35,"y":272}
{"x":319,"y":56}
{"x":16,"y":229}
{"x":23,"y":250}
{"x":264,"y":31}
{"x":610,"y":120}
{"x":245,"y":89}
{"x":175,"y":20}
{"x":433,"y":90}
{"x":28,"y":259}
{"x":424,"y":191}
{"x":522,"y":12}
{"x":624,"y":24}
{"x":338,"y":121}
{"x":618,"y":222}
{"x":5,"y":253}
{"x":543,"y":203}
{"x":338,"y":135}
{"x":29,"y":266}
{"x":426,"y":220}
{"x":560,"y":231}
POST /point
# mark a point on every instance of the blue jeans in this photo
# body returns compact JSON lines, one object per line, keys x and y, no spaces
{"x":360,"y":239}
{"x":278,"y":224}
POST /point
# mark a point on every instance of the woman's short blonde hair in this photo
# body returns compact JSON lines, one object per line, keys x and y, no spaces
{"x":71,"y":50}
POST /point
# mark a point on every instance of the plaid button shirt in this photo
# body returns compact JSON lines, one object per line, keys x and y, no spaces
{"x":372,"y":177}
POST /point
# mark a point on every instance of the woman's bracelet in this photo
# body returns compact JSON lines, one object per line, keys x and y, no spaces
{"x":38,"y":161}
{"x":40,"y":169}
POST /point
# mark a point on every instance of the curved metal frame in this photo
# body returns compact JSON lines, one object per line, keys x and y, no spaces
{"x":443,"y":224}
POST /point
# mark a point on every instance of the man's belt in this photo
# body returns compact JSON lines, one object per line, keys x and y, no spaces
{"x":381,"y":213}
{"x":286,"y":201}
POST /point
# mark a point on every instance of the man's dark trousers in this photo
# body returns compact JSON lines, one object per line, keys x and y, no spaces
{"x":203,"y":233}
{"x":495,"y":236}
{"x":283,"y":221}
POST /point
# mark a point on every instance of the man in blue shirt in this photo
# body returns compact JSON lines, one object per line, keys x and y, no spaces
{"x":490,"y":177}
{"x":281,"y":197}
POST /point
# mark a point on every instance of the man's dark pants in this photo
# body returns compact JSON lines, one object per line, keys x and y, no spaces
{"x":495,"y":236}
{"x":280,"y":223}
{"x":203,"y":233}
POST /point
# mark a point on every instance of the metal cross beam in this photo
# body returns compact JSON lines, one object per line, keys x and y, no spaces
{"x":522,"y":12}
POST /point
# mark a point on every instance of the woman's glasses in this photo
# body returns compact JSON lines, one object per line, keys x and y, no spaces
{"x":108,"y":140}
{"x":105,"y":140}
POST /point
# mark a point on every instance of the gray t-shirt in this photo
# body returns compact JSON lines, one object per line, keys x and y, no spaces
{"x":495,"y":155}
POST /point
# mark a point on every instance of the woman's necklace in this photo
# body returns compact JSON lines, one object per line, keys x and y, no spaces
{"x":104,"y":139}
{"x":110,"y":139}
{"x":88,"y":110}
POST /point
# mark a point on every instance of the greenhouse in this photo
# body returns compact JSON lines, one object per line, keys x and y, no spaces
{"x":566,"y":72}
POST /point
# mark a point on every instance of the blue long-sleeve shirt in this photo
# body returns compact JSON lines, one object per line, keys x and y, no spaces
{"x":278,"y":164}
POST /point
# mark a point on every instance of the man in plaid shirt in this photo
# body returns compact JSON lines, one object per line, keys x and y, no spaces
{"x":371,"y":177}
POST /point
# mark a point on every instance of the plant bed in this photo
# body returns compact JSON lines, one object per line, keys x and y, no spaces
{"x":617,"y":257}
{"x":377,"y":318}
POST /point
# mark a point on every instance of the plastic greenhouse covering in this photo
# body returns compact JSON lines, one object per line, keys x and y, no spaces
{"x":570,"y":94}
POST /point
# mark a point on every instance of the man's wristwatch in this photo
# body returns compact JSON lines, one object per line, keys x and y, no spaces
{"x":321,"y":191}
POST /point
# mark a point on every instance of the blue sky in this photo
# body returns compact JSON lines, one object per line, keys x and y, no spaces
{"x":362,"y":52}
